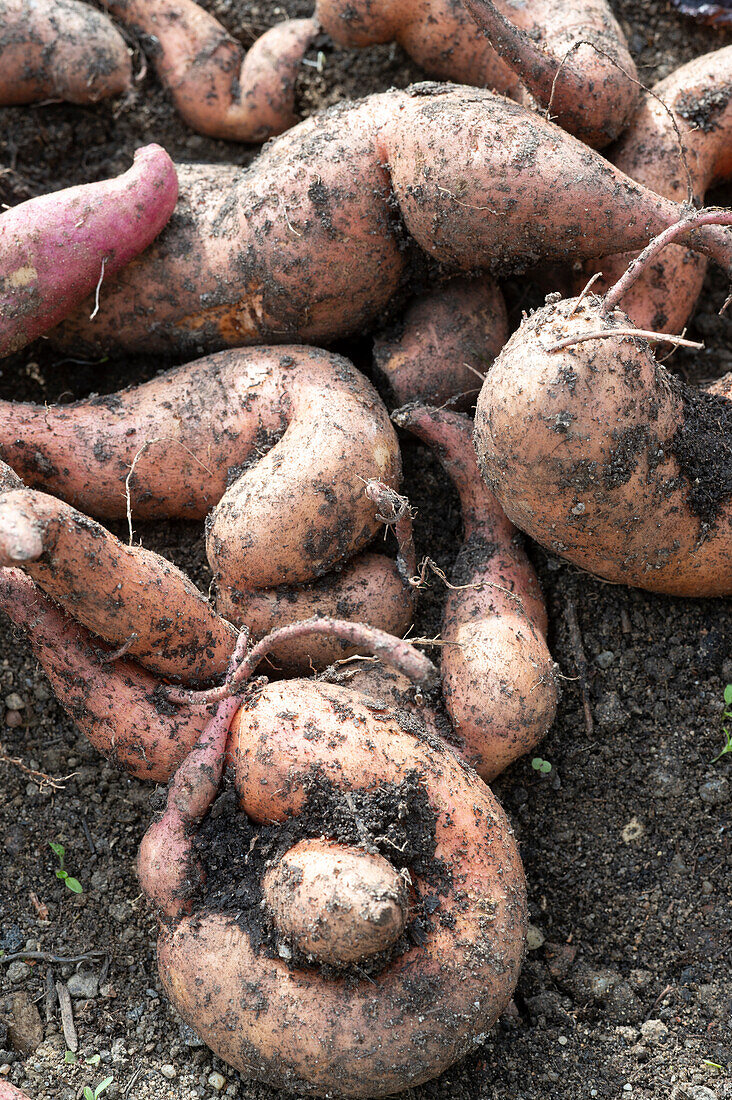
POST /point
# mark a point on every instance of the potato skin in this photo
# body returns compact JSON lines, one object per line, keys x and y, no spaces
{"x":578,"y":446}
{"x":300,"y":1030}
{"x":9,"y":1092}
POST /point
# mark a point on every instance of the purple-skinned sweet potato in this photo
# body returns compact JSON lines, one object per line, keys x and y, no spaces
{"x":55,"y":249}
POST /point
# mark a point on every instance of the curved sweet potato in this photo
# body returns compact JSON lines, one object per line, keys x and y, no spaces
{"x":219,"y":88}
{"x":603,"y":456}
{"x":59,"y":49}
{"x":499,"y":681}
{"x":114,"y":702}
{"x":445,"y":343}
{"x":128,"y":596}
{"x":305,"y":243}
{"x":301,"y":1029}
{"x":699,"y":101}
{"x":55,"y":249}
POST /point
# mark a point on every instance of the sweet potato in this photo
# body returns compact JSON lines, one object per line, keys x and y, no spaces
{"x":444,"y":344}
{"x":600,"y":454}
{"x":59,"y":49}
{"x":303,"y":1029}
{"x":699,"y":101}
{"x":9,"y":1092}
{"x":499,"y":681}
{"x":55,"y":249}
{"x":305,"y":243}
{"x":592,"y":91}
{"x":126,"y":595}
{"x":219,"y":88}
{"x":113,"y":701}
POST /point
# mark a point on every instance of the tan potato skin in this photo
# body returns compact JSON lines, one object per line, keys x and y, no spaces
{"x":114,"y":703}
{"x":576,"y":444}
{"x":115,"y":590}
{"x":499,"y":681}
{"x":289,"y":517}
{"x":219,"y":88}
{"x":367,"y":589}
{"x":59,"y":49}
{"x":699,"y":96}
{"x":365,"y":1037}
{"x":447,"y":340}
{"x":306,"y":243}
{"x":336,"y":903}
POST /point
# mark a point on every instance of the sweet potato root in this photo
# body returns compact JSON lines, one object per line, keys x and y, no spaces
{"x":126,"y":595}
{"x":445,"y":343}
{"x":305,"y":244}
{"x":699,"y":102}
{"x":114,"y":702}
{"x":600,"y":454}
{"x":219,"y":88}
{"x":55,"y":249}
{"x":59,"y":49}
{"x":301,"y":1029}
{"x":498,"y":679}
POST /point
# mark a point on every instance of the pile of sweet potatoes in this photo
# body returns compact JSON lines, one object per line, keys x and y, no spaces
{"x":388,"y":928}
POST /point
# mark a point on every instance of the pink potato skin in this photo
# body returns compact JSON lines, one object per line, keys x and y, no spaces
{"x":59,"y":49}
{"x":52,"y":247}
{"x":116,"y":704}
{"x":219,"y":88}
{"x":364,"y":1037}
{"x":699,"y":102}
{"x":307,"y":243}
{"x":9,"y":1092}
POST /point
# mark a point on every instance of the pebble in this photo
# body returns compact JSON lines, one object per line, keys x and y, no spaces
{"x":217,"y":1081}
{"x":168,"y":1071}
{"x":654,"y":1031}
{"x":14,"y":701}
{"x":609,"y":712}
{"x":25,"y":1030}
{"x":684,"y":1091}
{"x":17,"y":971}
{"x":534,"y":938}
{"x":715,"y":791}
{"x":83,"y":985}
{"x":605,"y":659}
{"x":13,"y":719}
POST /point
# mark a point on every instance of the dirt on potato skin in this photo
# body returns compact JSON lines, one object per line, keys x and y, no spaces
{"x":625,"y":841}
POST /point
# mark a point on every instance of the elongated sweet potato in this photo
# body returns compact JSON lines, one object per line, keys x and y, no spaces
{"x":59,"y":49}
{"x":429,"y":1002}
{"x":128,"y":596}
{"x":699,"y":101}
{"x":499,"y":681}
{"x":305,"y":242}
{"x":114,"y":702}
{"x":599,"y":453}
{"x":219,"y":88}
{"x":56,"y":248}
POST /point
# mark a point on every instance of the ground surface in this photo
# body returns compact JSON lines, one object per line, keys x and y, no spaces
{"x":626,"y":842}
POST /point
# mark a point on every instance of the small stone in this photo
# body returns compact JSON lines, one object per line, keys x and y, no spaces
{"x":715,"y":791}
{"x":534,"y":938}
{"x":17,"y":971}
{"x":84,"y":985}
{"x":562,"y":1040}
{"x":217,"y":1081}
{"x":13,"y":719}
{"x":605,"y":659}
{"x":168,"y":1071}
{"x":189,"y":1037}
{"x":25,"y":1030}
{"x":14,"y":701}
{"x":120,"y":912}
{"x":654,"y":1031}
{"x":627,"y":1087}
{"x":687,"y":1091}
{"x":610,"y":712}
{"x":634,"y":830}
{"x":707,"y":887}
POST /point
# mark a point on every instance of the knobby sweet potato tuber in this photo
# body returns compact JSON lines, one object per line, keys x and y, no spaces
{"x":498,"y":679}
{"x":306,"y":243}
{"x":59,"y":49}
{"x":599,"y":453}
{"x":55,"y":249}
{"x":219,"y":88}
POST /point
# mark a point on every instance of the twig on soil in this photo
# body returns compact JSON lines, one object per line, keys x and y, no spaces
{"x":67,"y":1016}
{"x":580,"y":660}
{"x":59,"y":960}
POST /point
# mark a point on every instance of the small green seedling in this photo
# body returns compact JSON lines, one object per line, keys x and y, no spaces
{"x":726,"y":717}
{"x":70,"y":1058}
{"x":73,"y":883}
{"x":542,"y":766}
{"x":94,"y":1094}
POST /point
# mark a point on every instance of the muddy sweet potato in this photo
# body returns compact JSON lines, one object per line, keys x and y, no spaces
{"x":306,"y":243}
{"x":219,"y":88}
{"x":421,"y":1005}
{"x":59,"y":49}
{"x":9,"y":1092}
{"x":55,"y":249}
{"x":499,"y":682}
{"x":602,"y":455}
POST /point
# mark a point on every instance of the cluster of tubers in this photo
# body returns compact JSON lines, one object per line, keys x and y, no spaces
{"x":392,"y":920}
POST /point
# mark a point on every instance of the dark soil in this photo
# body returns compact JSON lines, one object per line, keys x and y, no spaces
{"x":625,"y":990}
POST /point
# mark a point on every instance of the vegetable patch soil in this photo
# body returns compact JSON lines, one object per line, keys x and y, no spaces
{"x":625,"y":990}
